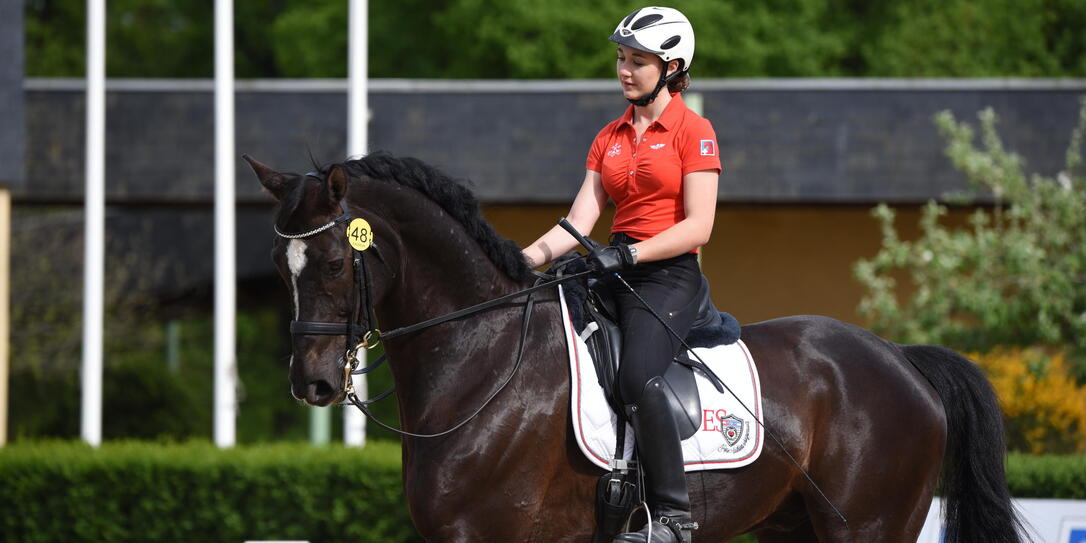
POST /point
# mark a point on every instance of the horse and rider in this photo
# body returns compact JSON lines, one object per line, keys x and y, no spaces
{"x":864,"y":428}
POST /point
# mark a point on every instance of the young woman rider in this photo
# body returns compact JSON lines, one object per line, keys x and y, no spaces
{"x":659,"y":163}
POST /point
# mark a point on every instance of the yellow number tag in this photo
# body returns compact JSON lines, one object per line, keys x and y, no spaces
{"x":359,"y":234}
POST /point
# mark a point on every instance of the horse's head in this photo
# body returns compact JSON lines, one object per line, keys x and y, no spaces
{"x":317,"y":266}
{"x":435,"y":253}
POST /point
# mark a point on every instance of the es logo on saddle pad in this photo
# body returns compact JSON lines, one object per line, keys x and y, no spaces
{"x":733,"y":428}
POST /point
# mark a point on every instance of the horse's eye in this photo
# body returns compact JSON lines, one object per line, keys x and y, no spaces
{"x":335,"y":266}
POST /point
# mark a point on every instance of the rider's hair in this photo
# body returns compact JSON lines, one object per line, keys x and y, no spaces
{"x":679,"y":83}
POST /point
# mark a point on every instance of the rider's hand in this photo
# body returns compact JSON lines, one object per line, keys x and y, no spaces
{"x":611,"y":258}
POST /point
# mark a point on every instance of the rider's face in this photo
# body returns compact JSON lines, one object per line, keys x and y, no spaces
{"x":638,"y":71}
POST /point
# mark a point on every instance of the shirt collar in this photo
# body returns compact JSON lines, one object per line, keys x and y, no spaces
{"x":669,"y":119}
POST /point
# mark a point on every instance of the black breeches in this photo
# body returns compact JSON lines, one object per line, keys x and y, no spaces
{"x":647,"y":347}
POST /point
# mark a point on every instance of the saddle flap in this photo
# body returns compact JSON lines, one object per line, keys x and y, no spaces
{"x":684,"y":398}
{"x":605,"y":343}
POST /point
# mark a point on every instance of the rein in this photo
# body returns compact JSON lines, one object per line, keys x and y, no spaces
{"x":372,"y":336}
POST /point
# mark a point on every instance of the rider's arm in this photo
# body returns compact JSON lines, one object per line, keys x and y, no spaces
{"x":699,"y":202}
{"x":586,"y":209}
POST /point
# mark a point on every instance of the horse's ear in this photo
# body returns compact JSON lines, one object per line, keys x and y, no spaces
{"x":337,"y":184}
{"x":275,"y":182}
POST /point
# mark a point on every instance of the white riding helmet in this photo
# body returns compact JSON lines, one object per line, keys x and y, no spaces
{"x":665,"y":32}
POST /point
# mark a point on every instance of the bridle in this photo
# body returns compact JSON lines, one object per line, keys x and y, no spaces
{"x":366,"y":336}
{"x":358,"y":337}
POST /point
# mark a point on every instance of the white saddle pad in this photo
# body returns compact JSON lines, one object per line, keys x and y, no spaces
{"x":728,"y":437}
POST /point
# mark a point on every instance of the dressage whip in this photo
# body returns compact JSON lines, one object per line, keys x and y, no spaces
{"x":587,"y":245}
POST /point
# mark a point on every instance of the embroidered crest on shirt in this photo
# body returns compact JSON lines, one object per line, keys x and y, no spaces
{"x":616,"y":150}
{"x":708,"y":148}
{"x":657,"y":145}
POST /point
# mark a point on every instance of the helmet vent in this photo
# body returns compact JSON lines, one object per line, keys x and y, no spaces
{"x":626,"y":21}
{"x":671,"y":42}
{"x":646,"y":21}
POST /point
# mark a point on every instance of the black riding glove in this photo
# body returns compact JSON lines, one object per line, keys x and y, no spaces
{"x":611,"y":258}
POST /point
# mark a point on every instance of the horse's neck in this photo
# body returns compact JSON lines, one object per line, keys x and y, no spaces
{"x":444,"y":374}
{"x":443,"y":270}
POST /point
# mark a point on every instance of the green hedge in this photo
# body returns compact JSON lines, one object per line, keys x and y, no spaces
{"x":1049,"y":476}
{"x":140,"y":491}
{"x":60,"y":491}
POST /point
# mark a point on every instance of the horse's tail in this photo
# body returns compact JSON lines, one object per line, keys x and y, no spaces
{"x":976,"y":500}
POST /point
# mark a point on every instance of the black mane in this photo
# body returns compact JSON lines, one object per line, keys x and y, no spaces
{"x":451,"y":195}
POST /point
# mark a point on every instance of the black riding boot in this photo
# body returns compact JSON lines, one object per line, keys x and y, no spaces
{"x":660,"y":452}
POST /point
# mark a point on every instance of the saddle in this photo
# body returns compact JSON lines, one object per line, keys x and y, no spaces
{"x":604,"y":340}
{"x":593,"y":310}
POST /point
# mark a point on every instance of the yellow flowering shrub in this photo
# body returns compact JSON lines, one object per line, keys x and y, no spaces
{"x":1045,"y":409}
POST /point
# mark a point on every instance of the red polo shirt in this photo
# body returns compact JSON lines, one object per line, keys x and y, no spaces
{"x":644,"y":176}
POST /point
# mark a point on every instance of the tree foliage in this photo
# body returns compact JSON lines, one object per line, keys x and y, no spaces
{"x":967,"y":38}
{"x":567,"y":38}
{"x":153,"y":38}
{"x":1017,"y":276}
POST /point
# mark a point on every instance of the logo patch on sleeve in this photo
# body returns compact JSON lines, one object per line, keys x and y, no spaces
{"x":708,"y":148}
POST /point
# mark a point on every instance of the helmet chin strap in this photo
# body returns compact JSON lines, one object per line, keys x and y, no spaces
{"x":650,"y":97}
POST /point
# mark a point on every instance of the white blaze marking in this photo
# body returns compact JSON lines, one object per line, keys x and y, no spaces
{"x":295,"y":262}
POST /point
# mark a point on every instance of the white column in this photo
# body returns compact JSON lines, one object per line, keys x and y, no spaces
{"x":695,"y":101}
{"x":354,"y":424}
{"x":5,"y":307}
{"x":357,"y":71}
{"x":225,"y":276}
{"x":94,"y":228}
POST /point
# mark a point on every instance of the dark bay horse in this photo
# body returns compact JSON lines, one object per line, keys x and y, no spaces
{"x":876,"y":424}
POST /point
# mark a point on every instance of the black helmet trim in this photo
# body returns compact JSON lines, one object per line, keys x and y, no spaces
{"x":631,"y":41}
{"x":646,"y":21}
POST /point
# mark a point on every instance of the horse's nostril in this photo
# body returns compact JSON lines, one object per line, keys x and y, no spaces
{"x":320,"y":391}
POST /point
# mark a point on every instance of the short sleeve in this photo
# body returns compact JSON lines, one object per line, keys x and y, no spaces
{"x":595,"y":152}
{"x":698,"y":147}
